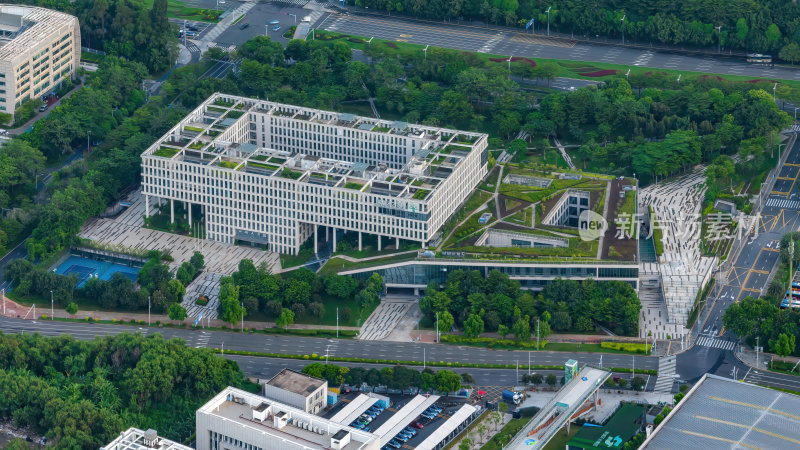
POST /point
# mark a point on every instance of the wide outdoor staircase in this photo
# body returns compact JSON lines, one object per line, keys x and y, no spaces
{"x":666,"y":372}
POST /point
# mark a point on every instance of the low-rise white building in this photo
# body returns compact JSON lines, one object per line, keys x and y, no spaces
{"x":235,"y":419}
{"x":297,"y":389}
{"x":272,"y":174}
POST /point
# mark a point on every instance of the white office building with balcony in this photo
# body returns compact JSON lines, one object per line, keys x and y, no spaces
{"x":275,"y":175}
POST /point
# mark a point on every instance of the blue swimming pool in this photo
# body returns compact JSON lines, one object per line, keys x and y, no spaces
{"x":87,"y":267}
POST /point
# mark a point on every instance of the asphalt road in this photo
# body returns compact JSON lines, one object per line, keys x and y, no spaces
{"x":336,"y":347}
{"x":473,"y":38}
{"x":258,"y":19}
{"x":713,"y":351}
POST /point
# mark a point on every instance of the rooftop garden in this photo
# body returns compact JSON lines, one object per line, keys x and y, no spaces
{"x":213,"y":133}
{"x":418,"y":182}
{"x":196,"y":145}
{"x":227,"y":164}
{"x":291,"y":174}
{"x":221,"y":102}
{"x":234,"y":114}
{"x":277,"y":160}
{"x":353,"y":185}
{"x":421,"y":194}
{"x":261,"y":166}
{"x":215,"y":109}
{"x":166,"y":152}
{"x":382,"y":129}
{"x":193,"y":129}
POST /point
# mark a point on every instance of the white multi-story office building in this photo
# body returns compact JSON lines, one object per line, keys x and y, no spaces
{"x":272,"y":174}
{"x":39,"y":48}
{"x":238,"y":420}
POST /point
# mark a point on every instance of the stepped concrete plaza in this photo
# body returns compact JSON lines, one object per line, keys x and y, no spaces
{"x":682,"y":269}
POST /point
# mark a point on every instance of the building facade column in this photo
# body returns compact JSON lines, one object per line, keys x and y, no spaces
{"x":146,"y":205}
{"x":397,"y":243}
{"x":189,"y":207}
{"x":334,"y":241}
{"x":359,"y":241}
{"x":327,"y":233}
{"x":171,"y":211}
{"x":315,"y":239}
{"x":379,"y":242}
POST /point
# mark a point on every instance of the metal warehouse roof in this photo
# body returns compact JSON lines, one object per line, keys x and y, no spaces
{"x":720,"y":412}
{"x":441,"y":433}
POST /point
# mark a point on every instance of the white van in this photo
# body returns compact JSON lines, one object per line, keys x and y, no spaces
{"x":306,"y":19}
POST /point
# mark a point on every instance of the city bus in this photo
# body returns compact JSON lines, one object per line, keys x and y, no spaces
{"x":759,"y":58}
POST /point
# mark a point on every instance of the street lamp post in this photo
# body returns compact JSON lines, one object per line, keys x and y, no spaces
{"x":148,"y":310}
{"x":437,"y":323}
{"x":548,"y":19}
{"x":795,"y":112}
{"x":719,"y":38}
{"x":623,"y":29}
{"x":509,"y":66}
{"x":774,"y":86}
{"x":52,"y":311}
{"x":425,"y":50}
{"x":266,"y":30}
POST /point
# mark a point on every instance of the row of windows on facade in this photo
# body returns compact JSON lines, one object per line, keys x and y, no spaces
{"x":393,"y":156}
{"x":216,"y":438}
{"x":309,"y":195}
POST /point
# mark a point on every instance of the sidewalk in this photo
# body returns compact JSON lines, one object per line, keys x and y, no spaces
{"x":14,"y":310}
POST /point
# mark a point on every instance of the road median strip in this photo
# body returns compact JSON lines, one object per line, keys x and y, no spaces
{"x":316,"y":357}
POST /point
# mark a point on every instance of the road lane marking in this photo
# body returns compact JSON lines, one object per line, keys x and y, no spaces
{"x":717,"y":438}
{"x":749,"y":427}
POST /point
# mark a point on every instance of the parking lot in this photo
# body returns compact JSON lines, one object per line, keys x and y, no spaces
{"x":258,"y":20}
{"x":445,"y":407}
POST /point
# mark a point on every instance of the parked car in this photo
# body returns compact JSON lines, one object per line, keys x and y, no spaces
{"x":274,"y":22}
{"x":244,"y":26}
{"x":417,"y":425}
{"x":43,"y":108}
{"x":276,"y":28}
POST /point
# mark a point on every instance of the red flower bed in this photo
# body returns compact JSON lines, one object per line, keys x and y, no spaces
{"x":599,"y":73}
{"x":527,"y":61}
{"x":391,"y":44}
{"x":762,"y":81}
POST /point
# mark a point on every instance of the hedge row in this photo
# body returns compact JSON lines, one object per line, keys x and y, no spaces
{"x":491,"y":342}
{"x":626,"y":347}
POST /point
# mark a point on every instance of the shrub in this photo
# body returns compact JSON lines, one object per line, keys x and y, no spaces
{"x":625,"y":346}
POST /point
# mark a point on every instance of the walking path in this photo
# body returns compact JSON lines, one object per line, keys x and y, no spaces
{"x":564,"y":153}
{"x":39,"y":116}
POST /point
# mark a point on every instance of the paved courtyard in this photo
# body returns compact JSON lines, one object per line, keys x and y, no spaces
{"x":207,"y":284}
{"x":126,"y":232}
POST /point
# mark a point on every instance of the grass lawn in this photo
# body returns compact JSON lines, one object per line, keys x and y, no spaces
{"x":559,"y":440}
{"x":477,"y":199}
{"x":357,"y":317}
{"x":523,"y":217}
{"x":305,"y":253}
{"x":491,"y":180}
{"x":177,"y":9}
{"x":335,"y":265}
{"x":43,"y":305}
{"x":566,"y":68}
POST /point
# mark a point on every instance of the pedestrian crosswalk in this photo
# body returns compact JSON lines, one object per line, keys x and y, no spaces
{"x":723,"y":344}
{"x":796,"y":127}
{"x":202,"y":340}
{"x":783,"y":203}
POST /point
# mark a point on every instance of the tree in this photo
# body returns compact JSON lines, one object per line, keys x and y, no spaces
{"x":473,"y":326}
{"x":790,"y":52}
{"x":502,"y":330}
{"x":446,"y":321}
{"x":622,"y":382}
{"x":773,"y":34}
{"x":742,"y":29}
{"x":447,"y":381}
{"x":285,"y":319}
{"x":522,"y":328}
{"x":784,"y":345}
{"x":638,"y":383}
{"x":176,"y":312}
{"x":465,"y":444}
{"x":72,"y":308}
{"x":551,"y":380}
{"x":536,"y":379}
{"x":467,"y":378}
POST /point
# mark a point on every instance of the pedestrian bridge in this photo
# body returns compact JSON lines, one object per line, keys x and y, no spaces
{"x":571,"y":401}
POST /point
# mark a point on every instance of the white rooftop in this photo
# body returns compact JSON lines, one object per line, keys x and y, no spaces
{"x":448,"y":427}
{"x":136,"y":439}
